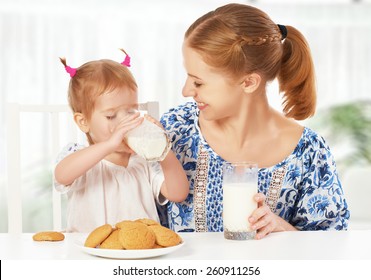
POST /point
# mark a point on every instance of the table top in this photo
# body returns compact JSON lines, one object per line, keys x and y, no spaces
{"x":301,"y":245}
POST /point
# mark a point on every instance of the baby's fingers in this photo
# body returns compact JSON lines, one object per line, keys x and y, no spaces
{"x":153,"y":120}
{"x":126,"y":125}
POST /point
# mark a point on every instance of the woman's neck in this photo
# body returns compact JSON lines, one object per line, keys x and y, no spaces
{"x":256,"y":132}
{"x":252,"y":118}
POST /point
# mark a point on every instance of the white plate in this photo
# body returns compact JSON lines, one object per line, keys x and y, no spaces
{"x":128,"y":254}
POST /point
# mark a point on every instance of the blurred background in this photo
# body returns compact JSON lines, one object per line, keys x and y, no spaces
{"x":33,"y":34}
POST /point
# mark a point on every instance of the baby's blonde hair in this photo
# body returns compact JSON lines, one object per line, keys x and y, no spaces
{"x":95,"y":78}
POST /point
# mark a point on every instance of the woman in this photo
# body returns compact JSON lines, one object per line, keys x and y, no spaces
{"x":230,"y":56}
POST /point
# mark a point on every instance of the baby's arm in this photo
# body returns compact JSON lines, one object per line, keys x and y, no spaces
{"x":78,"y":163}
{"x":176,"y":186}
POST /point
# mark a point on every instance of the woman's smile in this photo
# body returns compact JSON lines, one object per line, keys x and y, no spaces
{"x":201,"y":106}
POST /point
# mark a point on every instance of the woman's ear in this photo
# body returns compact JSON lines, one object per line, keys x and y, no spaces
{"x":81,"y":122}
{"x":251,"y":83}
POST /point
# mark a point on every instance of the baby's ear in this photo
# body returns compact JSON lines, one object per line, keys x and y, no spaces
{"x":82,"y":122}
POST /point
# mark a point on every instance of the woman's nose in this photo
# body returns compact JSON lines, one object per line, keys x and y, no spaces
{"x":188,"y":91}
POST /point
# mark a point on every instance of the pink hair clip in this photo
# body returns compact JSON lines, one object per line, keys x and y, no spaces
{"x":126,"y":62}
{"x":71,"y":71}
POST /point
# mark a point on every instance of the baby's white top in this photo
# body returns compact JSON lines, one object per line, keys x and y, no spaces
{"x":109,"y":193}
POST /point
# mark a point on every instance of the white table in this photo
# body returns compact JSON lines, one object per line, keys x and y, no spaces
{"x":332,"y":245}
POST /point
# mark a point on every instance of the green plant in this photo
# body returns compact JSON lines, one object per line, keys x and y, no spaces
{"x":347,"y":127}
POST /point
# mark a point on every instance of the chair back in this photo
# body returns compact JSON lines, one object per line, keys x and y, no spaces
{"x":61,"y":125}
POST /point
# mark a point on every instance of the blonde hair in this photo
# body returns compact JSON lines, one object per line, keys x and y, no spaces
{"x":93,"y":79}
{"x":239,"y":39}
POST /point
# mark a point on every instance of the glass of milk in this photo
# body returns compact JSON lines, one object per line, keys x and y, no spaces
{"x":240,"y":184}
{"x":149,"y":141}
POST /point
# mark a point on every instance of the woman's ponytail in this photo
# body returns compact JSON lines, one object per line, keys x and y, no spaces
{"x":296,"y":77}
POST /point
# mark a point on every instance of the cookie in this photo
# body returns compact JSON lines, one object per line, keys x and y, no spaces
{"x":136,"y":235}
{"x":97,"y":236}
{"x":165,"y":237}
{"x":124,"y":223}
{"x":112,"y":241}
{"x":148,"y":222}
{"x":48,"y":236}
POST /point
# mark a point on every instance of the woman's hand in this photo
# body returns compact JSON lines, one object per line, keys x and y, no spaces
{"x":265,"y":221}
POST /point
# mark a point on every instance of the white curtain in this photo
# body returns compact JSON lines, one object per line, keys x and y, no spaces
{"x":33,"y":34}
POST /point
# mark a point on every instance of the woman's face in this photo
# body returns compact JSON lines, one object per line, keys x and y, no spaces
{"x":109,"y":109}
{"x":216,"y":96}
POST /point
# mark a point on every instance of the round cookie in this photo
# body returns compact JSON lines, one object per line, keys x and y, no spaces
{"x":97,"y":236}
{"x":112,"y":241}
{"x":136,"y":236}
{"x":148,"y":222}
{"x":124,"y":223}
{"x":165,"y":237}
{"x":48,"y":236}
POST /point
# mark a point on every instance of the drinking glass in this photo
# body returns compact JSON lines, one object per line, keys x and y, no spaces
{"x":240,"y":184}
{"x":149,"y":141}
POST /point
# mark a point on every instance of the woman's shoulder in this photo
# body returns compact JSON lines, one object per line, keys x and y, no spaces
{"x":185,"y":114}
{"x":312,"y":145}
{"x":312,"y":138}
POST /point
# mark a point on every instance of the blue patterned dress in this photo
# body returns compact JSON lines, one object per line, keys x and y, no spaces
{"x":304,"y":189}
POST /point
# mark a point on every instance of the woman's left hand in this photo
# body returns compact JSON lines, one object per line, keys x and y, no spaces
{"x":265,"y":221}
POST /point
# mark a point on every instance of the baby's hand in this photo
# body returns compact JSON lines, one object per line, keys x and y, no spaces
{"x":126,"y":124}
{"x":153,"y":120}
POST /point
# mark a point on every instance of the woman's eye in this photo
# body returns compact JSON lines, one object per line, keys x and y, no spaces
{"x":111,"y":117}
{"x":197,"y":84}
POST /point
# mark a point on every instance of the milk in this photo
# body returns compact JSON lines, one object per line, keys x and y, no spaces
{"x":148,"y":148}
{"x":148,"y":141}
{"x":240,"y":184}
{"x":238,"y":205}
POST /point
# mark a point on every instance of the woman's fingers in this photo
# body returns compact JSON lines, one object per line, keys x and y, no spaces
{"x":259,"y":217}
{"x":262,"y":219}
{"x":259,"y":198}
{"x":264,"y":231}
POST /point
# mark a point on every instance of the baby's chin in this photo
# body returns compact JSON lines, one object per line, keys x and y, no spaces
{"x":124,"y":148}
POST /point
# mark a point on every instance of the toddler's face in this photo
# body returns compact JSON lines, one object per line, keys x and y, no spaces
{"x":109,"y":109}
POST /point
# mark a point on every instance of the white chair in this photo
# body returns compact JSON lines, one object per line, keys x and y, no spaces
{"x":14,"y":170}
{"x":357,"y":190}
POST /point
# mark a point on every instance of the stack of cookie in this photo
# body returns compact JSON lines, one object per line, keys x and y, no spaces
{"x":132,"y":235}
